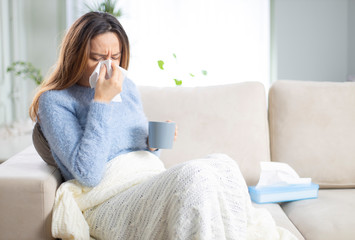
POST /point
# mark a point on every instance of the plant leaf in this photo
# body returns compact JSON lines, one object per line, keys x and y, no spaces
{"x":192,"y":75}
{"x":178,"y":82}
{"x":174,"y":55}
{"x":204,"y":72}
{"x":27,"y":70}
{"x":106,"y":6}
{"x":161,"y":64}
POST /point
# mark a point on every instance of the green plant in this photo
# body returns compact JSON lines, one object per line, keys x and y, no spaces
{"x":26,"y":70}
{"x":178,"y":82}
{"x":107,"y":6}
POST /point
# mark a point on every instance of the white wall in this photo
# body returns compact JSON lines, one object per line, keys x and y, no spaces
{"x":314,"y":39}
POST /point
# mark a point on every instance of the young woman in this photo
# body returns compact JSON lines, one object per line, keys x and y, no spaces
{"x":83,"y":127}
{"x":85,"y":130}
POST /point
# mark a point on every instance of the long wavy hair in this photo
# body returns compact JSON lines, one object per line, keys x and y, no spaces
{"x":75,"y":51}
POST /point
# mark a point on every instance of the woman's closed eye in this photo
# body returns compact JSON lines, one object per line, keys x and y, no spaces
{"x":103,"y":59}
{"x":116,"y":57}
{"x":97,"y":59}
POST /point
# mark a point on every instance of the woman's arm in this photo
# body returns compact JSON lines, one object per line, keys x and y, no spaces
{"x":83,"y":152}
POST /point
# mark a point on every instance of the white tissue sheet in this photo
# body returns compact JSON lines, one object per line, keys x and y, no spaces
{"x":95,"y":76}
{"x":277,"y":174}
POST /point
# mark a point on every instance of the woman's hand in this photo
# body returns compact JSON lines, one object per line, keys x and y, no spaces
{"x":175,"y":137}
{"x":176,"y":130}
{"x":107,"y":89}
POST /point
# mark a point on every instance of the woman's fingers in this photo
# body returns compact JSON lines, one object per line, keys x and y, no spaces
{"x":117,"y":77}
{"x":102,"y":73}
{"x":176,"y":129}
{"x":106,"y":90}
{"x":176,"y":132}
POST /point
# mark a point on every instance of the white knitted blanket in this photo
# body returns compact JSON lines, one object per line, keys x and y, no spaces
{"x":138,"y":199}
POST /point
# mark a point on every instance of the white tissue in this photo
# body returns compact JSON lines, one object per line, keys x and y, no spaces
{"x":276,"y":173}
{"x":95,"y":76}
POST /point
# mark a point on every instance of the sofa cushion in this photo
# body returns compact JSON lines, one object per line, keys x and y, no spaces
{"x":27,"y":187}
{"x":230,"y":119}
{"x":312,"y":128}
{"x":280,"y":218}
{"x":331,"y":216}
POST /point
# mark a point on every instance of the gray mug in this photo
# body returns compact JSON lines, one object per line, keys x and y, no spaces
{"x":161,"y":134}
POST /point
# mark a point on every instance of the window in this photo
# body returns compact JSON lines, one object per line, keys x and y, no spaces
{"x":227,"y":38}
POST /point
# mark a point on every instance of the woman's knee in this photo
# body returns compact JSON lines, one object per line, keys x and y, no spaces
{"x":196,"y":173}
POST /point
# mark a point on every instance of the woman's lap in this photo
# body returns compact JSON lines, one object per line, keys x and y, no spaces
{"x":192,"y":199}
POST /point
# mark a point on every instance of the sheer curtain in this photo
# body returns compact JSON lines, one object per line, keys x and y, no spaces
{"x":229,"y":39}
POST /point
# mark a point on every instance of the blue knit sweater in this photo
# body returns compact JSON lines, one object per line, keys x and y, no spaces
{"x":84,"y":135}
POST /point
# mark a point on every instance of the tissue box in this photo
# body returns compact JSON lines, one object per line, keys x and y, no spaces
{"x":285,"y":193}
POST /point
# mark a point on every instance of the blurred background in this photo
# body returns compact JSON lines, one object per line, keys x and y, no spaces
{"x":201,"y":42}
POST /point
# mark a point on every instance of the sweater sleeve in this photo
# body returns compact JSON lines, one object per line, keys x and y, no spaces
{"x":83,"y":152}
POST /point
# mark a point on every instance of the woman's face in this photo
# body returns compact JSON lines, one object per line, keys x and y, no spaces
{"x":102,"y":47}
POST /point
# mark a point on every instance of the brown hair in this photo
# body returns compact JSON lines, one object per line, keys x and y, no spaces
{"x":75,"y":50}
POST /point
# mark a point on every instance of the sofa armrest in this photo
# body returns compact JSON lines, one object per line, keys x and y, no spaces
{"x":27,"y":189}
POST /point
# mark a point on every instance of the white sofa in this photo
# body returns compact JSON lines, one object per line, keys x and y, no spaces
{"x":309,"y":125}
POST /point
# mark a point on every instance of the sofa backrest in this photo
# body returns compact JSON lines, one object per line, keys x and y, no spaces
{"x":230,"y":119}
{"x":312,"y":128}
